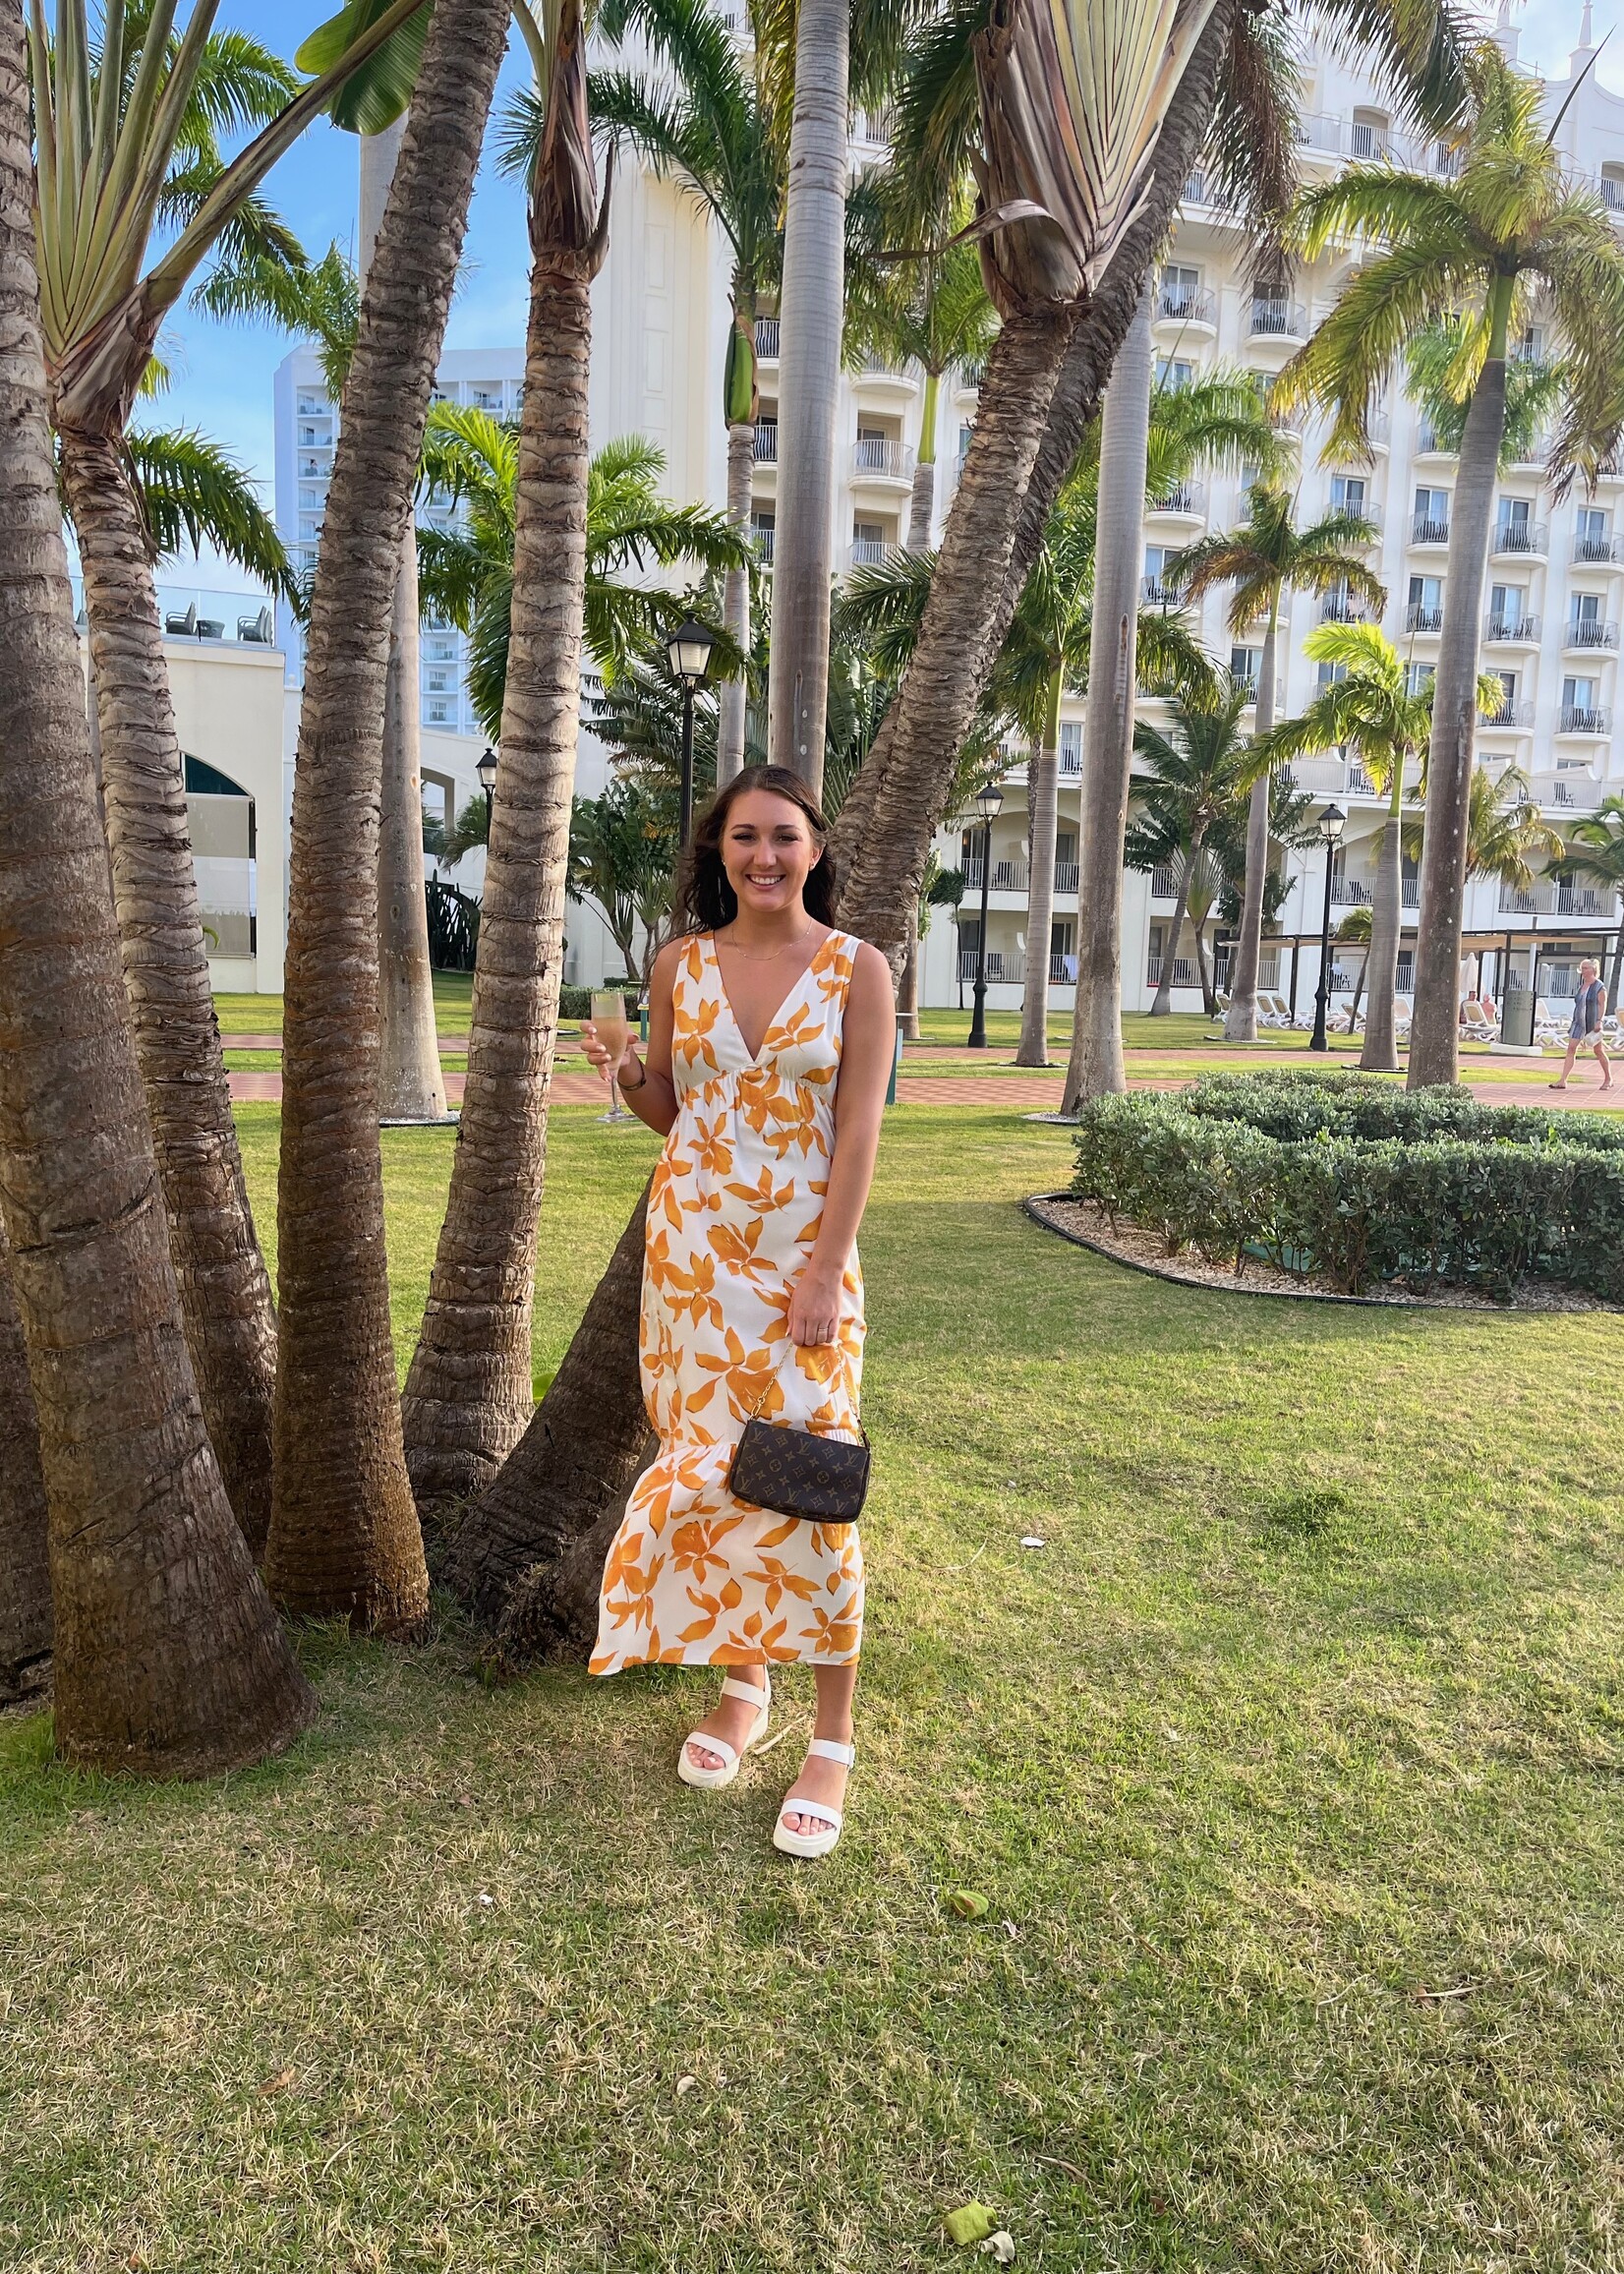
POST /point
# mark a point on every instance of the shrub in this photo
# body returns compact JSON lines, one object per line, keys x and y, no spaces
{"x":1364,"y":1184}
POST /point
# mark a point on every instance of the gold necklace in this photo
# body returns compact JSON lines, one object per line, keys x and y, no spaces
{"x":745,"y":956}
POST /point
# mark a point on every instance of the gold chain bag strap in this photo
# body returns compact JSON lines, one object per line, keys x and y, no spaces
{"x":795,"y":1473}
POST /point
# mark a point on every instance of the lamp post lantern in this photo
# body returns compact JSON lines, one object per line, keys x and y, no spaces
{"x":487,"y":772}
{"x":690,"y":649}
{"x":989,"y":800}
{"x":1332,"y":823}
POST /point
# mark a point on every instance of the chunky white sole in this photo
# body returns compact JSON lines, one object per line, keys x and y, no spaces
{"x":716,"y":1779}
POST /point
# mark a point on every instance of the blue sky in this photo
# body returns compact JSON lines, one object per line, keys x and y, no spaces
{"x":222,"y":374}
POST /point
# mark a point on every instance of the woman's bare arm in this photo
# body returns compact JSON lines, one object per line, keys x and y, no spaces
{"x":651,"y":1098}
{"x":868,"y":1040}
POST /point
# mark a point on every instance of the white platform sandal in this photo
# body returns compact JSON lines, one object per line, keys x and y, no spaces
{"x":809,"y":1846}
{"x":713,"y":1780}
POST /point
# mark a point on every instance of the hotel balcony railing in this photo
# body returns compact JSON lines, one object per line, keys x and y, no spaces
{"x":1174,"y":306}
{"x":1350,"y":892}
{"x":1185,"y":974}
{"x":868,"y":551}
{"x":1590,"y":632}
{"x":767,"y":442}
{"x":1526,"y":540}
{"x":1430,"y":443}
{"x":767,"y":338}
{"x":1409,"y":892}
{"x":880,"y":454}
{"x":763,"y":539}
{"x":246,"y":618}
{"x":1070,"y":761}
{"x":1522,"y":628}
{"x":1423,"y":616}
{"x":1008,"y":876}
{"x":1063,"y":970}
{"x":1187,"y":498}
{"x":1425,"y":528}
{"x":1584,"y":719}
{"x":1601,"y":548}
{"x":1155,"y":593}
{"x":1164,"y":883}
{"x":1612,"y":194}
{"x":1577,"y":791}
{"x":1518,"y":714}
{"x":1342,"y":608}
{"x":1278,"y":320}
{"x":1066,"y":876}
{"x":996,"y":961}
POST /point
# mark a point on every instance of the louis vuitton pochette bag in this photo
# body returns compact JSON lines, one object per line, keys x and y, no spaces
{"x":795,"y":1473}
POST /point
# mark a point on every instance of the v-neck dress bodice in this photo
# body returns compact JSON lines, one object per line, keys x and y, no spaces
{"x":696,"y":1577}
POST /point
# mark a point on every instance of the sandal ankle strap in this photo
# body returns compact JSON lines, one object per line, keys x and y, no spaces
{"x":732,"y":1687}
{"x":830,"y":1749}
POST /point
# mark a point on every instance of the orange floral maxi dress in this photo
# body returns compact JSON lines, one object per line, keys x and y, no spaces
{"x":696,"y":1577}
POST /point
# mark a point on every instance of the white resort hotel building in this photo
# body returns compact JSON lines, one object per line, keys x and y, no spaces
{"x":1554,"y":594}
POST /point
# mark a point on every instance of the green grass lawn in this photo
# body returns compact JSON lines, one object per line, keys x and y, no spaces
{"x":1292,"y":1767}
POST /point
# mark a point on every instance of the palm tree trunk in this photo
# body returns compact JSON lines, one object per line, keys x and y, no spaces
{"x":583,"y":1452}
{"x":410,"y":1084}
{"x":1617,"y":975}
{"x":1096,"y":1060}
{"x":1040,"y":884}
{"x":224,"y":1287}
{"x":168,"y":1656}
{"x":922,"y":503}
{"x":1435,"y":1028}
{"x":469,"y":1393}
{"x":1053,"y":373}
{"x":733,"y":695}
{"x":810,"y":311}
{"x":1380,"y":1053}
{"x":344,"y":1534}
{"x":1162,"y":1001}
{"x":533,"y":1546}
{"x":1204,"y":972}
{"x":24,"y":1567}
{"x":1241,"y":1019}
{"x":907,"y":995}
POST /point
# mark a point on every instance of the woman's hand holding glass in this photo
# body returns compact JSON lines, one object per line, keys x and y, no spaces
{"x":606,"y":1037}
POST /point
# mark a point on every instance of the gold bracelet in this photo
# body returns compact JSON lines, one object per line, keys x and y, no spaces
{"x":643,"y":1085}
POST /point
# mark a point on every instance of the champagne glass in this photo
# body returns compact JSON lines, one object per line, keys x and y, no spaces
{"x":609,"y":1017}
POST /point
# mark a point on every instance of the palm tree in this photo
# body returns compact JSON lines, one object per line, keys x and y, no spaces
{"x":169,"y":1660}
{"x":623,"y":849}
{"x":24,"y":1524}
{"x":934,"y":313}
{"x":1266,"y":559}
{"x":1508,"y":229}
{"x":1595,"y":850}
{"x":467,"y":572}
{"x":1358,"y":929}
{"x":709,"y":124}
{"x":344,"y":1534}
{"x":125,"y":143}
{"x":192,"y":493}
{"x":1504,"y":828}
{"x":1194,"y":776}
{"x":1377,"y":706}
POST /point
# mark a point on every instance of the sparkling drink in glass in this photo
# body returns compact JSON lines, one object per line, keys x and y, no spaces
{"x":609,"y":1017}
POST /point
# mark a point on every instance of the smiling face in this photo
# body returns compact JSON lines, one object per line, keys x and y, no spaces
{"x":768,"y":851}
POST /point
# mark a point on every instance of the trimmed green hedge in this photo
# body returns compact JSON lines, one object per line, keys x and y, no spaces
{"x":576,"y":1002}
{"x":1354,"y":1180}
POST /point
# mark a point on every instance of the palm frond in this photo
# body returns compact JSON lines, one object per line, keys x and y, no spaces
{"x":195,"y":493}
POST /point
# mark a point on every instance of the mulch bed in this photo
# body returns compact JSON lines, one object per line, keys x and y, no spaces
{"x":1088,"y":1226}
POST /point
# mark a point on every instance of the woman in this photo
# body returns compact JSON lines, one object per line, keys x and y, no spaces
{"x":770,"y":1044}
{"x":1590,"y":1007}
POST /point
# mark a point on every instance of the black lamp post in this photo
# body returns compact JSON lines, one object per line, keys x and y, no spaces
{"x":989,"y":800}
{"x":1332,"y":823}
{"x":689,"y":647}
{"x":487,"y":772}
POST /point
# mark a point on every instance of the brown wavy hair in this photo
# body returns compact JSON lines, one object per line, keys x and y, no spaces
{"x":704,"y":901}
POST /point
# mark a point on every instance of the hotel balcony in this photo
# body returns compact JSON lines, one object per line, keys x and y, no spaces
{"x":1194,"y":311}
{"x":1600,"y":552}
{"x":767,"y":338}
{"x":1520,"y":541}
{"x":1591,"y":721}
{"x":1511,"y":631}
{"x":1425,"y":529}
{"x":1590,"y":636}
{"x":879,"y":461}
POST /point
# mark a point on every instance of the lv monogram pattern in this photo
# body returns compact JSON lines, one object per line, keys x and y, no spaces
{"x":799,"y":1474}
{"x":696,"y":1576}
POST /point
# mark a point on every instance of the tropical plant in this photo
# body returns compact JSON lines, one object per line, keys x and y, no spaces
{"x":469,"y":1391}
{"x":1377,"y":707}
{"x":169,"y":1660}
{"x":1534,"y":391}
{"x":1595,"y":851}
{"x":1358,"y":929}
{"x":1265,"y":559}
{"x":934,"y":313}
{"x":190,"y":492}
{"x":470,"y":832}
{"x":623,"y":849}
{"x":1048,"y":367}
{"x":1505,"y":828}
{"x":344,"y":1534}
{"x":708,"y":120}
{"x":127,"y":143}
{"x":1508,"y":231}
{"x":467,"y":571}
{"x":1194,"y":776}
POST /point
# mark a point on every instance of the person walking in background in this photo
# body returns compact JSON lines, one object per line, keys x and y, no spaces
{"x":1590,"y":1006}
{"x":770,"y":1045}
